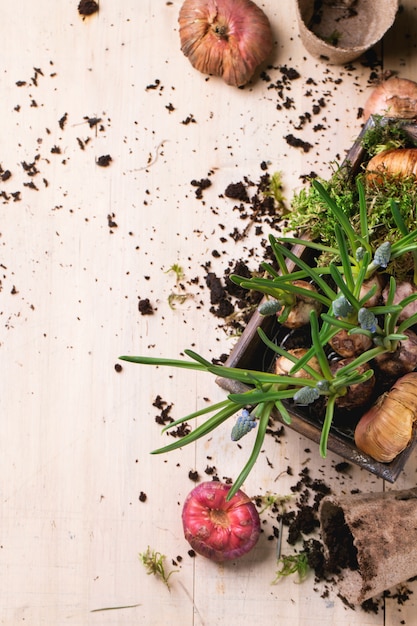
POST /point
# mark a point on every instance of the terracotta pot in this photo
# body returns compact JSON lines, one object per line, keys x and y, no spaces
{"x":380,"y":530}
{"x":357,"y":26}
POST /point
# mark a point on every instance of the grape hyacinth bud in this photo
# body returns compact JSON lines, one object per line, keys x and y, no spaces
{"x":382,"y":255}
{"x":323,"y":385}
{"x":306,"y":395}
{"x":244,"y":424}
{"x":269,"y":307}
{"x":367,"y":320}
{"x":342,"y":307}
{"x":360,"y":253}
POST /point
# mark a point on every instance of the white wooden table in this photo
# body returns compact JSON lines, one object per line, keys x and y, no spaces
{"x":81,"y":244}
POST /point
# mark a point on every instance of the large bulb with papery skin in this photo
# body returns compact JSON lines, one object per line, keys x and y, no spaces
{"x":227,"y":38}
{"x":220,"y":529}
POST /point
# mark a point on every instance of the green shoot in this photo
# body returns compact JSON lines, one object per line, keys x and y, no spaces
{"x":154,"y":563}
{"x":178,"y":271}
{"x":275,"y":189}
{"x":292,"y":564}
{"x":270,"y":500}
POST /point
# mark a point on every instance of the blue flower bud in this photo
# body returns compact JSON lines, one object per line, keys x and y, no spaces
{"x":382,"y":255}
{"x":323,"y":385}
{"x":244,"y":424}
{"x":367,"y":320}
{"x":269,"y":307}
{"x":342,"y":307}
{"x":306,"y":395}
{"x":360,"y":253}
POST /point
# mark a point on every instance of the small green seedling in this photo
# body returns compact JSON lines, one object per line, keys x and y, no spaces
{"x":292,"y":564}
{"x":154,"y":563}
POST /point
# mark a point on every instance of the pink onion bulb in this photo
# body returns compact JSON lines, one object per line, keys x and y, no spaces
{"x":227,"y":38}
{"x":395,"y":97}
{"x":218,"y":529}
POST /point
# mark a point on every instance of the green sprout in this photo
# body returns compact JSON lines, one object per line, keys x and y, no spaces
{"x":176,"y":297}
{"x":178,"y":271}
{"x":292,"y":564}
{"x":154,"y":563}
{"x":270,"y":500}
{"x":275,"y":189}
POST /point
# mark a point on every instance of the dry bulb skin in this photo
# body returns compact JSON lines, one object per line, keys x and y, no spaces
{"x":357,"y":395}
{"x":350,"y":345}
{"x":387,"y":428}
{"x":404,"y":360}
{"x":397,"y":162}
{"x":403,"y":290}
{"x":226,"y":38}
{"x":299,"y":314}
{"x":283,"y":365}
{"x":395,"y":97}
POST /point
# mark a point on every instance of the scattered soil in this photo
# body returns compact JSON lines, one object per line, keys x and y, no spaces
{"x":145,"y":307}
{"x":87,"y":7}
{"x":104,"y":161}
{"x":201,"y":185}
{"x":297,"y":142}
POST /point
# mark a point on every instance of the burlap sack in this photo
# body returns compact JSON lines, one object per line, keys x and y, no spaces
{"x":357,"y":26}
{"x":381,"y":530}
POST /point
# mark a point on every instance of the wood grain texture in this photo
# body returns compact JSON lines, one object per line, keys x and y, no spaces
{"x":81,"y":244}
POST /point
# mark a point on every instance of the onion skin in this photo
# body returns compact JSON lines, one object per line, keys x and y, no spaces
{"x":395,"y":97}
{"x":227,"y":38}
{"x":374,"y":300}
{"x":398,"y":162}
{"x":387,"y":428}
{"x":348,"y":346}
{"x":402,"y":361}
{"x":403,"y":289}
{"x":218,"y":529}
{"x":356,"y":395}
{"x":283,"y":365}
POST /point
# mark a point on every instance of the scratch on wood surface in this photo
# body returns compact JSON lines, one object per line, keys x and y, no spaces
{"x":193,"y":603}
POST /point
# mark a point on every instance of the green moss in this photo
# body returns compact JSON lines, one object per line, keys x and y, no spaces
{"x":384,"y":136}
{"x":310,"y":214}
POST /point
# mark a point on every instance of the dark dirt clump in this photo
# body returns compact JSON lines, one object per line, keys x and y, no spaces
{"x":200,"y":185}
{"x":237,"y":191}
{"x":297,"y":142}
{"x":87,"y":7}
{"x":230,"y":301}
{"x":145,"y":307}
{"x":104,"y":161}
